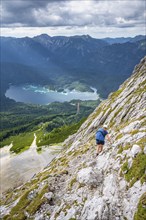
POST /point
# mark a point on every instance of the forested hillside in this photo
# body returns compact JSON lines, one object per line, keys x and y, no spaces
{"x":52,"y":123}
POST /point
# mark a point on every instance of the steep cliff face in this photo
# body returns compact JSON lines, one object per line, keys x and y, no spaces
{"x":77,"y":185}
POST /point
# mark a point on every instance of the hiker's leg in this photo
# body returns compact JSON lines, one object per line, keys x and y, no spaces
{"x":98,"y":147}
{"x":101,"y":148}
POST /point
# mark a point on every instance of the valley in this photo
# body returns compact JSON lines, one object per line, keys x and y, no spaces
{"x":76,"y":62}
{"x":52,"y":123}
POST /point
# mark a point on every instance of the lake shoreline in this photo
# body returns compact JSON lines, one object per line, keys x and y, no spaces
{"x":32,"y":94}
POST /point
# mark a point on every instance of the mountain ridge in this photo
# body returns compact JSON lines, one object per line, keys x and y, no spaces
{"x":64,"y":60}
{"x":124,"y":39}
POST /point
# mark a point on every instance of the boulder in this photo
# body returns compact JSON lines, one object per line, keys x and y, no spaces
{"x":135,"y":150}
{"x":49,"y":196}
{"x":89,"y":177}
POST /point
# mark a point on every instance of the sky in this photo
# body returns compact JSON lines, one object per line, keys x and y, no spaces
{"x":97,"y":18}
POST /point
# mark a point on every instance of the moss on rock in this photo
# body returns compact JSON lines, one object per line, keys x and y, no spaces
{"x":141,"y":209}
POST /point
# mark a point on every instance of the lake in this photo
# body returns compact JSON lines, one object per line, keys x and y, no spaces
{"x":42,"y":95}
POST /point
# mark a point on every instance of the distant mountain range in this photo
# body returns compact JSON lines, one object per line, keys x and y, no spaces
{"x":60,"y":61}
{"x":122,"y":40}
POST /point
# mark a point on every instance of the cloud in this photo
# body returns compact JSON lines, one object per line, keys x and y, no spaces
{"x":40,"y":13}
{"x":73,"y":14}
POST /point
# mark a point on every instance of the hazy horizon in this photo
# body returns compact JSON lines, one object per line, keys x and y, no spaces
{"x":76,"y":35}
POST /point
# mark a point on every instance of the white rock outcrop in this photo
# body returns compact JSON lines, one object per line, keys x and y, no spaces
{"x":95,"y":208}
{"x":89,"y":177}
{"x":135,"y":150}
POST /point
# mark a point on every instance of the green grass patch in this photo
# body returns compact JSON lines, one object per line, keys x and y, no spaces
{"x":95,"y":114}
{"x":117,"y":112}
{"x":116,"y":94}
{"x":58,"y":135}
{"x":141,"y":88}
{"x":143,"y":179}
{"x":26,"y":204}
{"x":20,"y":142}
{"x":137,"y":171}
{"x":37,"y":201}
{"x":119,"y":136}
{"x":134,"y":132}
{"x":141,"y":209}
{"x":141,"y":142}
{"x":73,"y":180}
{"x":17,"y":211}
{"x":121,"y":149}
{"x":125,"y":167}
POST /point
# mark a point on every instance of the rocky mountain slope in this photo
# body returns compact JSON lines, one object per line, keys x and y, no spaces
{"x":77,"y":185}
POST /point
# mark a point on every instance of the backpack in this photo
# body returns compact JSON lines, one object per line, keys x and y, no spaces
{"x":100,"y":135}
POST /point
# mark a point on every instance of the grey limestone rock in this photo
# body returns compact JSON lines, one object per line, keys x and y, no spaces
{"x":49,"y":196}
{"x":89,"y":177}
{"x":94,"y":209}
{"x":130,"y":201}
{"x":135,"y":150}
{"x":39,"y":216}
{"x":32,"y":194}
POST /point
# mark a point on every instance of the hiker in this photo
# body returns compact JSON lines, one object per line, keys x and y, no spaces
{"x":100,"y":136}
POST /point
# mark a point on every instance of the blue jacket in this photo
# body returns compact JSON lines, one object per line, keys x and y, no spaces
{"x":100,"y":134}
